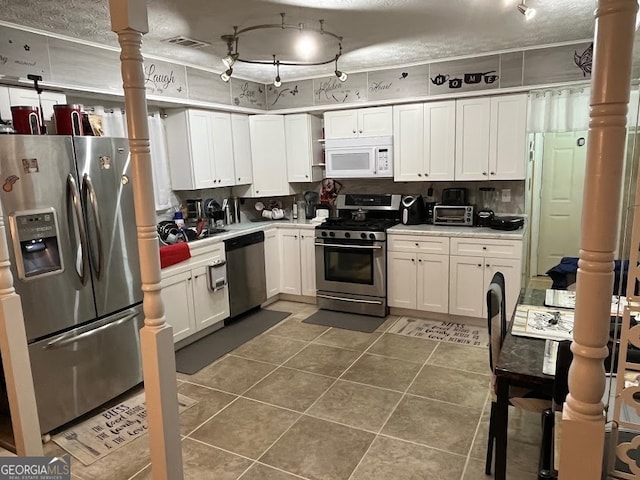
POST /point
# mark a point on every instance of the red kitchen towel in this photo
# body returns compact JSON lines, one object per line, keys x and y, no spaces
{"x":172,"y":254}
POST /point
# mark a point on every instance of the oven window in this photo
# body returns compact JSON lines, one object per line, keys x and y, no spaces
{"x":350,"y":161}
{"x":351,"y":266}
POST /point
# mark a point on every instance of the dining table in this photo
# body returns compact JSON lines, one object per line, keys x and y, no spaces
{"x":520,"y":364}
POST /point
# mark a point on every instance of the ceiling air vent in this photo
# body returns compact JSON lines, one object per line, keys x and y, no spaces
{"x":187,"y":42}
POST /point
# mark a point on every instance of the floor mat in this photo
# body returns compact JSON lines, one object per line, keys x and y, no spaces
{"x":111,"y":429}
{"x":199,"y":354}
{"x":442,"y":331}
{"x":348,"y":321}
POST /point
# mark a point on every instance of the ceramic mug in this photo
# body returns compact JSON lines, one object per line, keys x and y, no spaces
{"x":455,"y":83}
{"x":277,"y":213}
{"x":266,"y":213}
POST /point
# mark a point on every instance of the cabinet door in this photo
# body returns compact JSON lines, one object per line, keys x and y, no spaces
{"x":297,"y":131}
{"x":178,"y":304}
{"x":439,"y":140}
{"x":401,"y":280}
{"x":472,"y":139}
{"x":375,"y":122}
{"x":508,"y":137}
{"x":209,"y":307}
{"x":268,"y":155}
{"x":466,"y":286}
{"x":511,"y":270}
{"x":290,"y":262}
{"x":5,"y":103}
{"x":308,"y":262}
{"x":222,"y":143}
{"x":408,"y":142}
{"x":241,"y":148}
{"x":23,"y":96}
{"x":201,"y":143}
{"x":433,"y":283}
{"x":272,"y":262}
{"x":341,"y":124}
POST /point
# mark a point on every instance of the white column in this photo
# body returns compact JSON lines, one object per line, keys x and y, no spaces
{"x":582,"y":417}
{"x":15,"y":361}
{"x":129,"y":21}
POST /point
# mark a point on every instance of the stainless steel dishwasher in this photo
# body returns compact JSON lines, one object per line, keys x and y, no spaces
{"x":245,"y":272}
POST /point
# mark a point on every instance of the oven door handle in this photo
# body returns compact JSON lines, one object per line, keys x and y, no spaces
{"x":339,"y":245}
{"x":352,"y":300}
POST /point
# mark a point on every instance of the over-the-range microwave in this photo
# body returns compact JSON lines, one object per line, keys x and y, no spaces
{"x":363,"y":157}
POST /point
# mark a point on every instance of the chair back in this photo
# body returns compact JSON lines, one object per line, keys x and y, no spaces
{"x":561,"y":379}
{"x":496,"y":317}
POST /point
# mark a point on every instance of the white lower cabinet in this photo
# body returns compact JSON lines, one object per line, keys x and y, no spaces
{"x":418,"y":272}
{"x":297,"y":263}
{"x":191,"y":299}
{"x":272,"y":262}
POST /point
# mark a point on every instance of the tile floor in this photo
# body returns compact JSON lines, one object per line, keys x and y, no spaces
{"x":310,"y":402}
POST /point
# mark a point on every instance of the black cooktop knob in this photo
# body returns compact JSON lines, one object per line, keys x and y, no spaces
{"x":372,"y":236}
{"x":324,"y":234}
{"x":363,"y":235}
{"x":347,"y":235}
{"x":332,"y":234}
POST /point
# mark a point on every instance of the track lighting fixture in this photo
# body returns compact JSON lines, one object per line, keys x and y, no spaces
{"x":528,"y":12}
{"x":233,"y":55}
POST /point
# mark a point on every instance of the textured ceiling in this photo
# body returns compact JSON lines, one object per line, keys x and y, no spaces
{"x":377,"y":33}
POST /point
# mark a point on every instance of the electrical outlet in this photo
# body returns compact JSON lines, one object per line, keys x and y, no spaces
{"x":506,"y":195}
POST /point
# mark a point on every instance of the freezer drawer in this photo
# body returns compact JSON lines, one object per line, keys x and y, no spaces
{"x":79,"y":370}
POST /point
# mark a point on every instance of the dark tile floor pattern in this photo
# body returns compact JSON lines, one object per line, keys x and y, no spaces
{"x":310,"y":402}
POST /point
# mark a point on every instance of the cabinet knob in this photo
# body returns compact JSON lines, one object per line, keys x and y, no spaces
{"x":257,"y":191}
{"x":413,"y":259}
{"x":426,"y":174}
{"x":295,"y":236}
{"x":493,"y":173}
{"x":306,"y":176}
{"x":238,"y":178}
{"x":302,"y":236}
{"x":484,"y":173}
{"x":479,"y":264}
{"x":417,"y":244}
{"x":420,"y":260}
{"x":487,"y":265}
{"x":484,"y":248}
{"x":419,"y":174}
{"x":360,"y":131}
{"x":354,"y":131}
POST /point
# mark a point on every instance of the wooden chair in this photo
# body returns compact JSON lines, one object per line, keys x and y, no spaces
{"x":497,"y":326}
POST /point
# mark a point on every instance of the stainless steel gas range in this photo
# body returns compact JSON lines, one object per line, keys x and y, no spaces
{"x":351,"y":254}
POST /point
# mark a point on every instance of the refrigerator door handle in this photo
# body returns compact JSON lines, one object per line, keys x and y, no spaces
{"x":66,"y":340}
{"x":89,"y":191}
{"x":74,"y":197}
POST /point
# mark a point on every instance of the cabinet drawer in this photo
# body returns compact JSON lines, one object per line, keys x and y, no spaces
{"x":215,"y":255}
{"x":482,"y":247}
{"x":418,"y":244}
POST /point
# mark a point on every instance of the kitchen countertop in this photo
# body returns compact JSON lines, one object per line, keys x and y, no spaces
{"x":449,"y":231}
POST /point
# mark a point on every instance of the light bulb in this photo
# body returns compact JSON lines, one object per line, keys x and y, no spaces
{"x":277,"y":82}
{"x":342,"y":76}
{"x":229,"y":60}
{"x":528,"y":12}
{"x":306,"y":46}
{"x":226,"y":76}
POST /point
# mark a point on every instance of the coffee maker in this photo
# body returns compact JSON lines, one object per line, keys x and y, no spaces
{"x":311,"y":200}
{"x":412,"y":210}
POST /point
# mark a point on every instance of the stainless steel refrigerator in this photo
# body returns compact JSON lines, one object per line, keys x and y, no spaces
{"x":68,"y":208}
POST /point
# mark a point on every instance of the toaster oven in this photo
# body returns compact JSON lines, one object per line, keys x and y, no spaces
{"x":461,"y":215}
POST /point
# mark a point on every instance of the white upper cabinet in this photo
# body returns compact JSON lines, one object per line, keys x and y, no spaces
{"x":424,"y":141}
{"x":304,"y":152}
{"x":508,"y":137}
{"x":362,"y":122}
{"x":200,"y":149}
{"x":241,"y":148}
{"x":268,"y":156}
{"x":23,"y":96}
{"x":491,"y":138}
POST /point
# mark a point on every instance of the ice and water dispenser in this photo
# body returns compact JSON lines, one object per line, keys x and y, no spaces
{"x":35,"y":242}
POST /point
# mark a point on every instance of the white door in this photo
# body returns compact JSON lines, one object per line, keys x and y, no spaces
{"x":508,"y":137}
{"x":408,"y":142}
{"x":241,"y":148}
{"x":511,"y":269}
{"x":308,"y":262}
{"x":201,"y":143}
{"x":375,"y":122}
{"x":466,"y":286}
{"x":268,"y":155}
{"x":440,"y":140}
{"x":222,"y":149}
{"x":298,"y":142}
{"x":563,"y":167}
{"x":341,"y":124}
{"x":433,"y":283}
{"x":177,"y":297}
{"x":401,"y":280}
{"x":472,"y":138}
{"x":209,"y":307}
{"x":290,"y":262}
{"x":272,"y":262}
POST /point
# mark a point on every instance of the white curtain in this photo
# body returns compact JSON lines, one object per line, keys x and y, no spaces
{"x":114,"y":122}
{"x":567,"y":110}
{"x":163,"y":196}
{"x":561,"y":110}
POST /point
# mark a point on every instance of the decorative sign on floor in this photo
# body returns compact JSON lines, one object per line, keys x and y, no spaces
{"x":100,"y":435}
{"x":442,"y":331}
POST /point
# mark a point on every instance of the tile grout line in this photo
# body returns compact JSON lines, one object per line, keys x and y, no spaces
{"x":473,"y":441}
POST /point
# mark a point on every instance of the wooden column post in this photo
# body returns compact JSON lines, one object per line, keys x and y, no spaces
{"x":129,"y":21}
{"x":15,"y":361}
{"x":582,"y":417}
